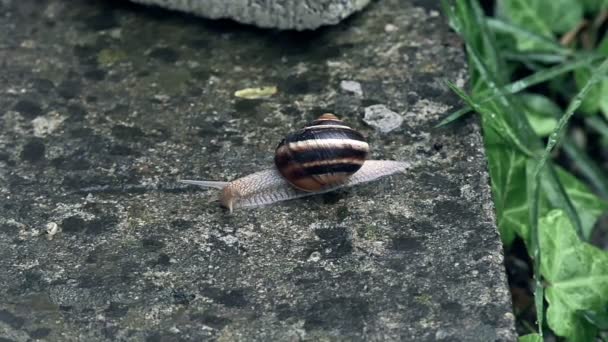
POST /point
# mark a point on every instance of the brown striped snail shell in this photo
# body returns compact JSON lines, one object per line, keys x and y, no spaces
{"x":325,"y":155}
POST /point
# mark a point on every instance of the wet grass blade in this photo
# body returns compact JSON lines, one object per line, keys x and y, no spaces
{"x":496,"y":65}
{"x":555,"y":191}
{"x":587,"y":167}
{"x":502,"y":26}
{"x":516,"y":123}
{"x":530,"y":59}
{"x":550,"y":73}
{"x":501,"y":127}
{"x":556,"y":136}
{"x":454,"y":116}
{"x":526,"y":82}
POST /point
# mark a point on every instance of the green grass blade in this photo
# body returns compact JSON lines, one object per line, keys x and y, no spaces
{"x":556,"y":193}
{"x":526,"y":82}
{"x":448,"y":11}
{"x":502,"y":26}
{"x":587,"y":167}
{"x":556,"y":136}
{"x":454,"y":116}
{"x":517,"y":125}
{"x":549,"y":73}
{"x":509,"y":110}
{"x":531,"y":59}
{"x":497,"y":65}
{"x":501,"y":128}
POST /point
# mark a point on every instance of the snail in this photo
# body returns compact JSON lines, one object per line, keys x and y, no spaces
{"x":323,"y":156}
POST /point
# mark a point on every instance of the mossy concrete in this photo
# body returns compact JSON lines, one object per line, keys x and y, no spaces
{"x":105,"y":104}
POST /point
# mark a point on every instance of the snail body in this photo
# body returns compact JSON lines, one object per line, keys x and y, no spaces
{"x":324,"y":156}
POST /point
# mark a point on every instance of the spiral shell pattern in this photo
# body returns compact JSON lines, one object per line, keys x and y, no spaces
{"x":322,"y":155}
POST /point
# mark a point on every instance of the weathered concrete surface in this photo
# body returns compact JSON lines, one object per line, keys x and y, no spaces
{"x":282,"y":14}
{"x":103,"y":102}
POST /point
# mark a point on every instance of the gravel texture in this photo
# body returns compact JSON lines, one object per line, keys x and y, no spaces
{"x":105,"y":104}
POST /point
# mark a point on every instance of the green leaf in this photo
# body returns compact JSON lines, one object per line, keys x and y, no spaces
{"x":554,"y":191}
{"x":530,"y":338}
{"x":534,"y":181}
{"x":588,"y":206}
{"x":577,"y":277}
{"x":542,"y":113}
{"x":507,"y":168}
{"x":542,"y":17}
{"x":556,"y":136}
{"x":560,"y":190}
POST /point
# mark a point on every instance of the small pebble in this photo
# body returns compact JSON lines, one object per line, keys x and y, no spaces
{"x":314,"y":257}
{"x":161,"y":98}
{"x":388,"y":28}
{"x":352,"y":87}
{"x":44,"y":125}
{"x":51,"y":229}
{"x":382,"y":118}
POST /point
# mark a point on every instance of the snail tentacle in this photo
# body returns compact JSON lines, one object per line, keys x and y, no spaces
{"x":205,"y":184}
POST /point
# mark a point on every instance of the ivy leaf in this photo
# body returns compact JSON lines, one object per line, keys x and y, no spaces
{"x":507,"y":168}
{"x":577,"y":277}
{"x":541,"y":112}
{"x":543,"y":17}
{"x":588,"y":206}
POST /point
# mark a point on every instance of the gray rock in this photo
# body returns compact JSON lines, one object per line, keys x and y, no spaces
{"x":282,"y":14}
{"x":382,"y":118}
{"x":103,"y":107}
{"x":352,"y":87}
